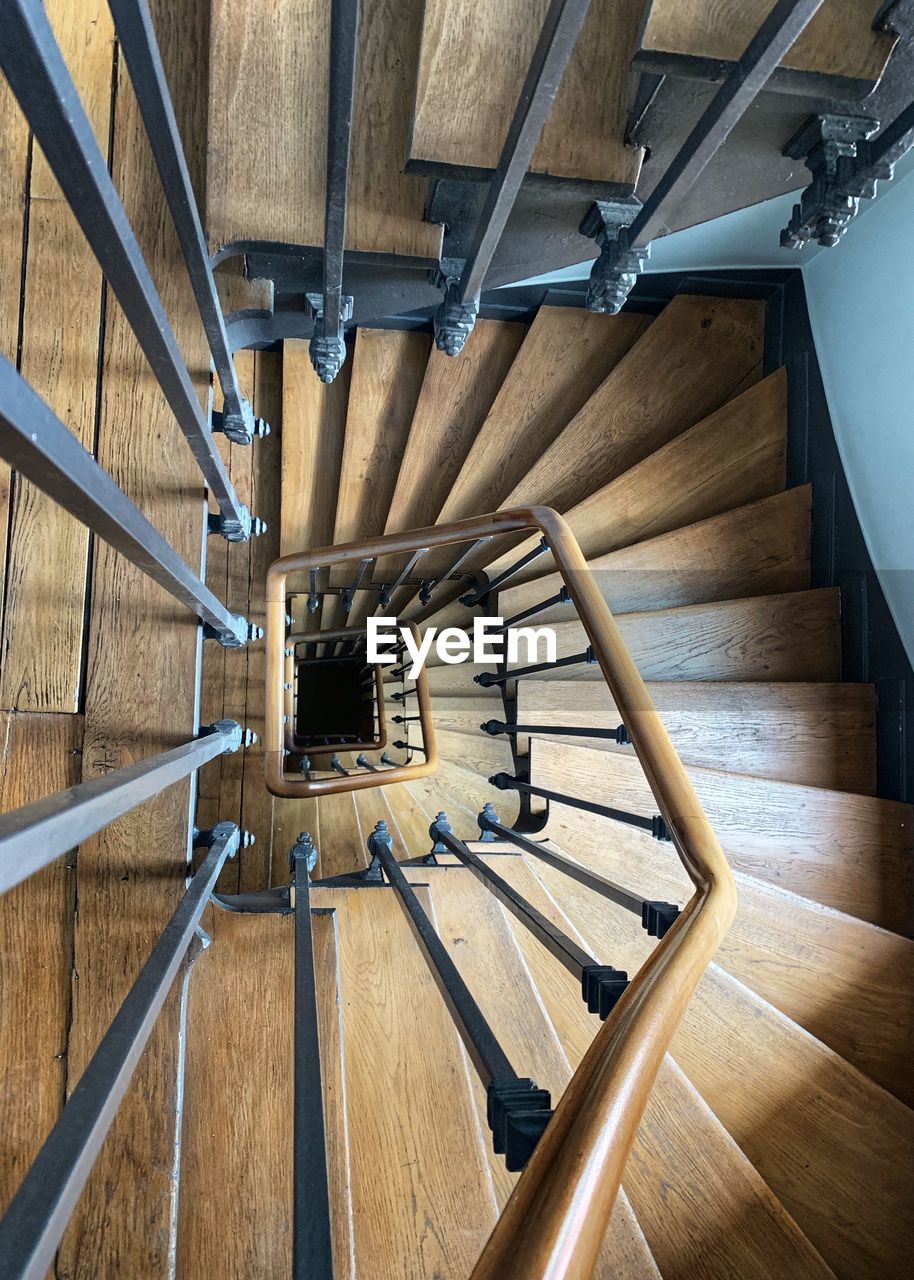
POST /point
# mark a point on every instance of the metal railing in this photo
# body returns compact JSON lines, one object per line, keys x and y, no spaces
{"x":576,"y":1155}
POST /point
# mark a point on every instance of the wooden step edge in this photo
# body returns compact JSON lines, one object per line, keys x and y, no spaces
{"x":800,"y":1252}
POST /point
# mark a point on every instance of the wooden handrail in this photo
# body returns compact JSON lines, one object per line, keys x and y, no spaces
{"x":553,"y":1225}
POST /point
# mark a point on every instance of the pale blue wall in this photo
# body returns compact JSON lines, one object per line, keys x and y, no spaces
{"x":861,"y":304}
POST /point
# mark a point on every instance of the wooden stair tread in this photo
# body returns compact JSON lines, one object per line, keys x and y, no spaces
{"x":848,"y":982}
{"x":422,"y":1199}
{"x":456,"y":395}
{"x":472,"y":925}
{"x":755,"y":550}
{"x":821,"y":735}
{"x":340,"y":843}
{"x":388,"y":367}
{"x":794,"y":636}
{"x":841,"y":1176}
{"x":705,"y":347}
{"x":266,"y":155}
{"x":735,"y":1226}
{"x":312,"y":438}
{"x":472,"y":66}
{"x":839,"y":41}
{"x":733,"y":456}
{"x":849,"y":852}
{"x":567,"y":353}
{"x":464,"y":715}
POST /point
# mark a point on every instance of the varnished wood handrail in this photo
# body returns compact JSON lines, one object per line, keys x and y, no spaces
{"x":553,"y":1225}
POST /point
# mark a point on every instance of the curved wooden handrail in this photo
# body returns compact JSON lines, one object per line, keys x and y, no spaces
{"x":553,"y":1225}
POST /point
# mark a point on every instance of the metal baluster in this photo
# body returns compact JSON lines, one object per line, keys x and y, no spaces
{"x":657,"y":917}
{"x":473,"y":597}
{"x":136,"y":35}
{"x":38,"y":76}
{"x":655,"y":824}
{"x":36,"y":834}
{"x":37,"y":444}
{"x":38,"y":1214}
{"x":425,"y":594}
{"x":488,"y":678}
{"x":312,"y":1255}
{"x":327,"y":347}
{"x":518,"y":1111}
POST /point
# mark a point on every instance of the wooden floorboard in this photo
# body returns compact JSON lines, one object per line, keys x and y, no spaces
{"x":39,"y":754}
{"x":140,"y":699}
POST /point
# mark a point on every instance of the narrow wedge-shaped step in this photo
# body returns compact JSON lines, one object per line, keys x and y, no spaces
{"x":796,"y":636}
{"x":457,"y":393}
{"x":474,"y":929}
{"x":236,"y":1129}
{"x":313,"y":433}
{"x":464,"y":715}
{"x":850,"y":852}
{"x":846,"y":981}
{"x":452,"y":787}
{"x":821,"y":735}
{"x":388,"y":366}
{"x":422,"y":1197}
{"x":735,"y":1227}
{"x":471,"y":73}
{"x":832,"y":1145}
{"x":567,"y":353}
{"x":267,"y":128}
{"x":734,"y":456}
{"x":342,"y":847}
{"x":690,"y":361}
{"x":756,"y":550}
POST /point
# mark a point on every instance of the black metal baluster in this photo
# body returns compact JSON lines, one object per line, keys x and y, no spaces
{"x":38,"y":76}
{"x":312,"y":1254}
{"x":655,"y":824}
{"x":36,"y":834}
{"x":37,"y":444}
{"x":518,"y":1111}
{"x":473,"y":597}
{"x":657,"y":917}
{"x":137,"y":38}
{"x":327,"y":347}
{"x":36,"y":1219}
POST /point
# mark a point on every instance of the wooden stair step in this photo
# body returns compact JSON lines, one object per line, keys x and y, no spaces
{"x":457,"y":682}
{"x":849,"y":852}
{"x":567,"y":353}
{"x":794,"y":636}
{"x":464,"y":715}
{"x":756,"y":550}
{"x":736,"y":1227}
{"x":422,"y":1197}
{"x":236,"y":1130}
{"x":312,"y":437}
{"x":686,"y":38}
{"x":471,"y":71}
{"x":848,"y":982}
{"x":472,"y":925}
{"x":734,"y":456}
{"x":340,"y":844}
{"x":842,"y":1177}
{"x":388,"y":367}
{"x":821,"y":735}
{"x":461,"y":793}
{"x":690,"y":361}
{"x":457,"y":393}
{"x":267,"y":128}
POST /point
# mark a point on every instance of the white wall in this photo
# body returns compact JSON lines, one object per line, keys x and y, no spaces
{"x":861,"y":304}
